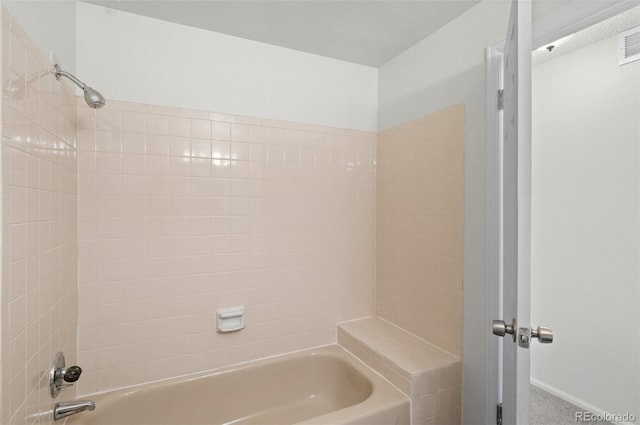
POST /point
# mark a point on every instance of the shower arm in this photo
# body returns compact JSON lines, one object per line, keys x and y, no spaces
{"x":92,"y":97}
{"x":61,"y":73}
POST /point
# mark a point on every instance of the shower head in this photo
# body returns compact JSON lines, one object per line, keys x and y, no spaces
{"x":92,"y":96}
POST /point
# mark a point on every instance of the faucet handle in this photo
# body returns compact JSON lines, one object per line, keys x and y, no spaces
{"x":72,"y":374}
{"x":59,"y":374}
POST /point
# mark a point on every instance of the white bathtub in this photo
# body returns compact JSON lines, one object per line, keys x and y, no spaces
{"x":320,"y":386}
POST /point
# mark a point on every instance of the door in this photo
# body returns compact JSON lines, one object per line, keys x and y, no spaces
{"x":516,"y":212}
{"x":509,"y":197}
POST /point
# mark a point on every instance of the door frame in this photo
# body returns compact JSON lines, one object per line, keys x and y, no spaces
{"x":569,"y":19}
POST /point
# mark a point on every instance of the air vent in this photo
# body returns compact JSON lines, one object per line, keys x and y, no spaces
{"x":630,"y":45}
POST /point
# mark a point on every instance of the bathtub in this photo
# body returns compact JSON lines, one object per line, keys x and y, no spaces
{"x":324,"y":385}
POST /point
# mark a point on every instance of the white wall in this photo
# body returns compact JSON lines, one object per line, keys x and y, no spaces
{"x":432,"y":73}
{"x":51,"y":25}
{"x":585,"y":226}
{"x":446,"y":68}
{"x":138,"y":59}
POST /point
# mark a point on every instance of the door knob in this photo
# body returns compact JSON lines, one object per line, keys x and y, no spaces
{"x":525,"y":335}
{"x":500,"y":328}
{"x":544,"y":335}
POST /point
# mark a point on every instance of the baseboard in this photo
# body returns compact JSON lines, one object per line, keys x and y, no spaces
{"x":577,"y":401}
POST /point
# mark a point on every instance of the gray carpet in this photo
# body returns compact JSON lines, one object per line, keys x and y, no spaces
{"x":547,"y":409}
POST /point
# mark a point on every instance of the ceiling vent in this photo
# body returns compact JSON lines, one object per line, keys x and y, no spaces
{"x":630,"y":45}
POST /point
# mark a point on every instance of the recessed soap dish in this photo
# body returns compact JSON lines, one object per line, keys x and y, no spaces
{"x":230,"y":319}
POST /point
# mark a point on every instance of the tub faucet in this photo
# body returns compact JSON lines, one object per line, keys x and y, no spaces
{"x":68,"y":408}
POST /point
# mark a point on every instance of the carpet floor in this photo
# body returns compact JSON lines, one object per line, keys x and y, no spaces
{"x":548,"y":409}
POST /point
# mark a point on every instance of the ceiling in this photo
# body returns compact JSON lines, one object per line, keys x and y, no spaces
{"x":360,"y":31}
{"x":593,"y":34}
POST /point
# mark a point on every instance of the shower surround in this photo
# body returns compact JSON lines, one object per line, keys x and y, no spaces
{"x":131,"y":225}
{"x":182,"y":212}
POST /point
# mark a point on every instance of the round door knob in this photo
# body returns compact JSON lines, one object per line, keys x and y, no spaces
{"x":500,"y":328}
{"x":544,"y":335}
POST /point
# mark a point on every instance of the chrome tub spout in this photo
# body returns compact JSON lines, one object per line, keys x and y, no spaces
{"x":68,"y":408}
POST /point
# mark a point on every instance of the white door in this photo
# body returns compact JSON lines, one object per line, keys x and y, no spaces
{"x":516,"y":212}
{"x":509,"y":197}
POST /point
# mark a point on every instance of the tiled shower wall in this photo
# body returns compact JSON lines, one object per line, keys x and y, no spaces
{"x":419,"y":227}
{"x":183,"y":212}
{"x":39,"y":227}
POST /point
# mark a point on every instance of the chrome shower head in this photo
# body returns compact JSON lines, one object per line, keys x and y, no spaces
{"x":92,"y":96}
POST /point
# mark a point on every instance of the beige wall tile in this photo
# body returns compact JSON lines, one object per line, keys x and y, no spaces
{"x":429,"y":405}
{"x":419,"y":185}
{"x":39,"y":190}
{"x":206,"y":211}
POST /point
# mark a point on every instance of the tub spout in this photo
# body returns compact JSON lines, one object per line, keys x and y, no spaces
{"x":68,"y":408}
